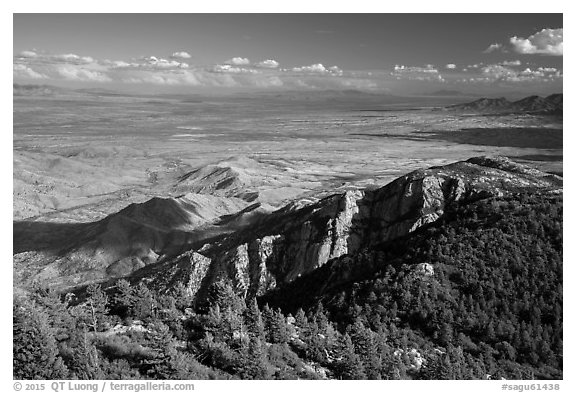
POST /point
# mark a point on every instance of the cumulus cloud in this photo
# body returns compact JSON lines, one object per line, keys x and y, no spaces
{"x":497,"y":71}
{"x":494,"y":73}
{"x":173,"y":71}
{"x":181,"y":55}
{"x":71,"y":58}
{"x":66,"y":58}
{"x":163,"y":79}
{"x":150,"y":63}
{"x":267,"y":64}
{"x":511,"y":63}
{"x":158,"y":62}
{"x":450,"y":66}
{"x":426,"y":73}
{"x":319,"y":69}
{"x":545,"y":42}
{"x":238,"y":61}
{"x":27,"y":54}
{"x":493,"y":47}
{"x":23,"y":71}
{"x":82,"y":74}
{"x":227,"y":68}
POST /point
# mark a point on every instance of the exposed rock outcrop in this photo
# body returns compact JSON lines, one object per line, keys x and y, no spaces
{"x":197,"y":240}
{"x":294,"y":242}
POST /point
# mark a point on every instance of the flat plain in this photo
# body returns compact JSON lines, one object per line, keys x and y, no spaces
{"x":82,"y":155}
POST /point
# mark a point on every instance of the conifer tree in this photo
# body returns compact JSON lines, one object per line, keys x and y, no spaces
{"x":35,"y":353}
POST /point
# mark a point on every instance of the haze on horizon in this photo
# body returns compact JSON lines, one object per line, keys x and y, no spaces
{"x":487,"y":54}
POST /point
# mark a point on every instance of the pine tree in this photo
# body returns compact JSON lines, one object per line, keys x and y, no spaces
{"x":348,"y":365}
{"x":145,"y":305}
{"x":253,"y":320}
{"x":35,"y":353}
{"x":96,"y":303}
{"x":255,"y":364}
{"x":123,"y":299}
{"x":278,"y":328}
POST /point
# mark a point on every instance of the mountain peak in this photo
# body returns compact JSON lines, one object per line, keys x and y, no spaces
{"x":532,"y":104}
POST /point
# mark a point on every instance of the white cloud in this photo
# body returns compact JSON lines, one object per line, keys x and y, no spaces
{"x":238,"y":61}
{"x":511,"y":63}
{"x":158,"y":62}
{"x":27,"y":54}
{"x":428,"y":69}
{"x":81,"y":74}
{"x":227,"y":68}
{"x":545,"y":42}
{"x":426,"y":73}
{"x":72,"y":58}
{"x":181,"y":55}
{"x":120,"y":64}
{"x":493,"y":47}
{"x":23,"y":71}
{"x":148,"y":63}
{"x":450,"y":66}
{"x":267,"y":64}
{"x":319,"y":69}
{"x":550,"y":70}
{"x":495,"y":73}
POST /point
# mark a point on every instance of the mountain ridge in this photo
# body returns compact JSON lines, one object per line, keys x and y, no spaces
{"x":270,"y":250}
{"x":551,"y":105}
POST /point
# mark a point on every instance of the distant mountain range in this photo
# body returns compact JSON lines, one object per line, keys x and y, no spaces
{"x":550,"y":105}
{"x":34,"y":90}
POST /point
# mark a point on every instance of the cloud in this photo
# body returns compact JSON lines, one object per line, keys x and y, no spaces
{"x":227,"y":68}
{"x":66,"y":58}
{"x":23,"y":71}
{"x":545,"y":42}
{"x":494,"y":47}
{"x":81,"y":74}
{"x":511,"y":63}
{"x":267,"y":64}
{"x":158,"y":62}
{"x":27,"y":54}
{"x":167,"y":79}
{"x":450,"y":66}
{"x":496,"y":73}
{"x":181,"y":55}
{"x":426,"y":73}
{"x":71,"y":58}
{"x":173,"y":72}
{"x":150,"y":63}
{"x":238,"y":61}
{"x":319,"y":69}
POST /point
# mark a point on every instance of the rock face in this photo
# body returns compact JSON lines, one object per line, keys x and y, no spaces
{"x":293,"y":242}
{"x":197,"y":240}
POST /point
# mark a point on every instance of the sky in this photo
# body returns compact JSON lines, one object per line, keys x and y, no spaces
{"x":395,"y":53}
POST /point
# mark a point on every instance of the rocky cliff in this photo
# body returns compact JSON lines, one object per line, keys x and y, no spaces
{"x":292,"y":242}
{"x":197,"y":240}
